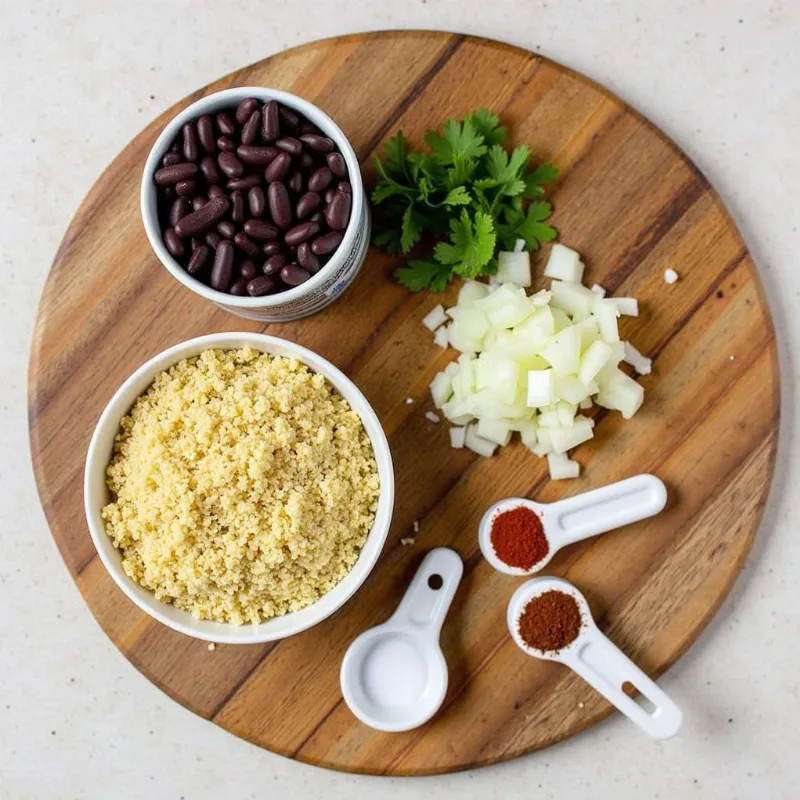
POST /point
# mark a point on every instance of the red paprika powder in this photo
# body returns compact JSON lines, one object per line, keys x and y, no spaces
{"x":518,"y":537}
{"x":550,"y":621}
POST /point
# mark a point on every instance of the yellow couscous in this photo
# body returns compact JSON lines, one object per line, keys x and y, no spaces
{"x":243,"y":487}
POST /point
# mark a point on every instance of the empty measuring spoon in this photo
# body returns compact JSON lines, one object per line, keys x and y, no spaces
{"x":599,"y":662}
{"x":394,"y":676}
{"x":576,"y":518}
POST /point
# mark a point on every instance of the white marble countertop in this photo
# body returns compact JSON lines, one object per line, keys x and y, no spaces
{"x":79,"y":79}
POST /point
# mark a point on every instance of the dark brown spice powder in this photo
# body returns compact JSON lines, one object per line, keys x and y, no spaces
{"x":550,"y":621}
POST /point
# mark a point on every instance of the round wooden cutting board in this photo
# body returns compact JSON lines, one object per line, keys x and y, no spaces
{"x":633,"y":205}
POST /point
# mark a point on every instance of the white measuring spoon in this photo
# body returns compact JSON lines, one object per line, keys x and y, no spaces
{"x":394,"y":676}
{"x":575,"y":518}
{"x":599,"y":662}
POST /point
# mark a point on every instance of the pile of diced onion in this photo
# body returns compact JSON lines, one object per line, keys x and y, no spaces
{"x":531,"y":363}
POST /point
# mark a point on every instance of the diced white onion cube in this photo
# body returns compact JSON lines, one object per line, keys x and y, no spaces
{"x":432,"y":417}
{"x":593,"y":360}
{"x":479,"y":445}
{"x":564,"y":264}
{"x":495,"y":430}
{"x":457,"y":436}
{"x":540,"y":388}
{"x":598,"y":290}
{"x":627,"y":306}
{"x":440,"y":337}
{"x":561,"y":468}
{"x":435,"y":318}
{"x":670,"y":276}
{"x":514,"y":268}
{"x":441,"y":389}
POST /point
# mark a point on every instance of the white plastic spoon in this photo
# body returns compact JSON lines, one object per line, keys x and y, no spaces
{"x":394,"y":676}
{"x":599,"y":662}
{"x":575,"y":518}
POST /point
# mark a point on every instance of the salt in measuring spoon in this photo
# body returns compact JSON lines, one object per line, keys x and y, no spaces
{"x":394,"y":676}
{"x":576,"y":518}
{"x":599,"y":662}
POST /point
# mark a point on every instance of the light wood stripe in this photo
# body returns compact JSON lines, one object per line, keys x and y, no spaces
{"x":633,"y":205}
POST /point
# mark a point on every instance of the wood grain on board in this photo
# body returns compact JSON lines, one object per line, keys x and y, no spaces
{"x":633,"y":205}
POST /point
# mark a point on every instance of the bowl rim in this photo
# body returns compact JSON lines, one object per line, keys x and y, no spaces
{"x":96,"y":493}
{"x":148,"y":203}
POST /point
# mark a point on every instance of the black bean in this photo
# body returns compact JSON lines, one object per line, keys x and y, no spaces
{"x":270,"y":122}
{"x":225,"y":124}
{"x":222,"y":270}
{"x":326,"y":243}
{"x":226,"y":229}
{"x":200,"y":221}
{"x":257,"y":201}
{"x":337,"y":214}
{"x":308,"y":127}
{"x":289,"y":145}
{"x":272,"y":248}
{"x":274,"y":264}
{"x":186,"y":188}
{"x":295,"y":182}
{"x":300,"y":233}
{"x":195,"y":243}
{"x":239,"y":288}
{"x":278,"y":168}
{"x":229,"y":163}
{"x":251,"y":127}
{"x":246,"y":244}
{"x":320,"y":179}
{"x":280,"y":208}
{"x":245,"y":109}
{"x":330,"y":193}
{"x":318,"y":216}
{"x":307,"y":162}
{"x":215,"y":191}
{"x":210,"y":169}
{"x":261,"y":285}
{"x":205,"y":132}
{"x":257,"y":154}
{"x":322,"y":144}
{"x":307,"y":204}
{"x":288,"y":117}
{"x":198,"y":202}
{"x":245,"y":182}
{"x":307,"y":259}
{"x":237,"y":206}
{"x":200,"y":259}
{"x":170,"y":159}
{"x":345,"y":187}
{"x":180,"y":208}
{"x":292,"y":275}
{"x":174,"y":147}
{"x":261,"y":229}
{"x":175,"y":173}
{"x":226,"y":144}
{"x":213,"y":239}
{"x":248,"y":269}
{"x":191,"y":147}
{"x":336,"y":164}
{"x":169,"y":193}
{"x":174,"y":243}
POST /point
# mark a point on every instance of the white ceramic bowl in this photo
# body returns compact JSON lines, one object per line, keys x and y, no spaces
{"x":322,"y":288}
{"x":96,"y":494}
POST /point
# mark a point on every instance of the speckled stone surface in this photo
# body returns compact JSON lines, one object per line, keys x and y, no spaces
{"x":78,"y":80}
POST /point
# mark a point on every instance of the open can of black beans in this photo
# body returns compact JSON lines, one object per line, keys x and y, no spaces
{"x":294,"y":302}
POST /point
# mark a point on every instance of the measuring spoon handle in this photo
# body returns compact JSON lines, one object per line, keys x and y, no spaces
{"x":605,"y":667}
{"x":588,"y":514}
{"x":427,"y":599}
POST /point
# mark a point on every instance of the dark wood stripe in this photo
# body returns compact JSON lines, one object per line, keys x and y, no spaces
{"x":413,"y":93}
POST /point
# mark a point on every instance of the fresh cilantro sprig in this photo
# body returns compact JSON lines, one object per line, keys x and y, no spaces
{"x":464,"y":199}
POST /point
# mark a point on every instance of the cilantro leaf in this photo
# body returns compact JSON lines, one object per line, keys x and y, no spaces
{"x":395,"y":154}
{"x":471,"y":244}
{"x":533,"y":229}
{"x":386,"y":186}
{"x":419,"y":275}
{"x":488,"y":125}
{"x":388,"y":239}
{"x":459,"y":196}
{"x":459,"y":143}
{"x":544,"y":173}
{"x":505,"y":172}
{"x":410,"y":230}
